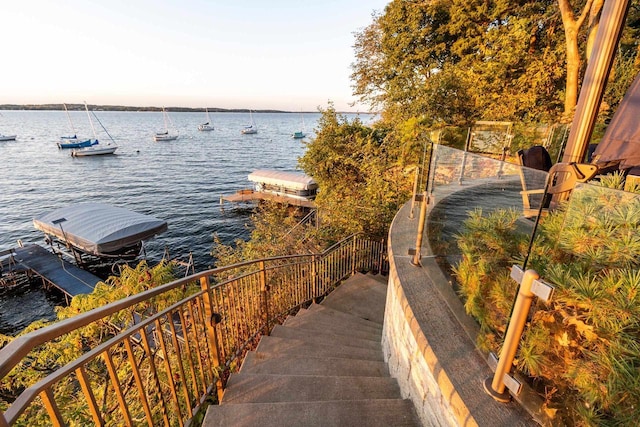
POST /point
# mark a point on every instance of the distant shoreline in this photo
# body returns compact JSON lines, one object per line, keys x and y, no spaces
{"x":73,"y":107}
{"x":77,"y":107}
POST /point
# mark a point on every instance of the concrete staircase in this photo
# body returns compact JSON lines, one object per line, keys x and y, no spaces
{"x":323,"y":367}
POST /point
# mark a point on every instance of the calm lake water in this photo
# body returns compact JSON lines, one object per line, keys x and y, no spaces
{"x":179,"y":181}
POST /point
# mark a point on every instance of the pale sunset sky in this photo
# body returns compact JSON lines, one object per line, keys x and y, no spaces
{"x":260,"y":54}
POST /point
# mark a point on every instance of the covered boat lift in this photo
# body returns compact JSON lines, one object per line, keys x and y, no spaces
{"x":99,"y":230}
{"x":291,"y":188}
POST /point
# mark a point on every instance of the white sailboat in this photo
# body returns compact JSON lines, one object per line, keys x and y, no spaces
{"x":208,"y":125}
{"x":96,"y":149}
{"x":165,"y":136}
{"x":251,"y":128}
{"x":7,"y":137}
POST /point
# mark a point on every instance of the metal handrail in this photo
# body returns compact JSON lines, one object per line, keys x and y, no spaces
{"x":193,"y":342}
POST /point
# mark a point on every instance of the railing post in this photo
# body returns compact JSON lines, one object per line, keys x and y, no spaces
{"x":381,"y":252}
{"x":530,"y":286}
{"x":421,"y":221}
{"x":415,"y":191}
{"x":314,"y":277}
{"x":264,"y":289}
{"x":212,"y":320}
{"x":354,"y":251}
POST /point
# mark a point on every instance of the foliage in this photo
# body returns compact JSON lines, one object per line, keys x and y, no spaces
{"x":458,"y":61}
{"x":360,"y":174}
{"x":582,"y":346}
{"x":57,"y":353}
{"x":274,"y":233}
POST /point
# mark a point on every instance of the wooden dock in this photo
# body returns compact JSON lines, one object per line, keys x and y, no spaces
{"x":55,"y":271}
{"x":252,"y":195}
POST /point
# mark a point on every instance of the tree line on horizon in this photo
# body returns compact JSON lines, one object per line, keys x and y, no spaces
{"x":74,"y":107}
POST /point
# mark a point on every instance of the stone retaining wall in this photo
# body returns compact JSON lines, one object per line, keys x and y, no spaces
{"x":428,"y":342}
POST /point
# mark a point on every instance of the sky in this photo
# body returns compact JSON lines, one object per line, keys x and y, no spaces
{"x":292,"y":55}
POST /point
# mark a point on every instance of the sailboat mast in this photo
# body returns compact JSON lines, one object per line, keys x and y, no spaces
{"x":90,"y":121}
{"x":69,"y":118}
{"x":165,"y":116}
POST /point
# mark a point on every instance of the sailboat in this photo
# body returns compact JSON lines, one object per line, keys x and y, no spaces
{"x":299,"y":134}
{"x":165,"y":136}
{"x":96,"y":149}
{"x":72,"y":141}
{"x":206,"y":126}
{"x":250,"y":129}
{"x":7,"y":137}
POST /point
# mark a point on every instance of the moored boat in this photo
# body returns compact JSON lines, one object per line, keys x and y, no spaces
{"x":94,"y":151}
{"x":295,"y":185}
{"x":251,"y":128}
{"x":166,"y":135}
{"x":208,"y":125}
{"x":68,"y":142}
{"x":7,"y":137}
{"x":94,"y":148}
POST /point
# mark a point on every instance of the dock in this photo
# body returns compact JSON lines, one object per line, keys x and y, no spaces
{"x":54,"y":271}
{"x":248,"y":195}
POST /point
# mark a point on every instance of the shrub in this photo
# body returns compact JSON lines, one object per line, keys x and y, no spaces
{"x":583,"y":347}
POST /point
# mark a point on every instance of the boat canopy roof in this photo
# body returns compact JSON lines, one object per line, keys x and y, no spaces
{"x":292,"y":180}
{"x":98,"y":228}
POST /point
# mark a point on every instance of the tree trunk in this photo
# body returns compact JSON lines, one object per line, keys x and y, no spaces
{"x":573,"y":69}
{"x":571,"y":29}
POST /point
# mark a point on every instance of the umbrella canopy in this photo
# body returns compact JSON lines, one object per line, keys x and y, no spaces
{"x":621,"y":141}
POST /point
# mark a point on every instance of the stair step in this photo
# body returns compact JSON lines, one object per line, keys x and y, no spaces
{"x":282,"y":364}
{"x":373,"y":413}
{"x":261,"y":388}
{"x":344,"y":316}
{"x":384,"y":280}
{"x":277,"y":345}
{"x":314,"y":324}
{"x":325,"y":313}
{"x":363,"y":283}
{"x":368,"y":303}
{"x":322,"y":337}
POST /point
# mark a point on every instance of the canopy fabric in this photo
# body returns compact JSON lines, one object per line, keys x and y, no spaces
{"x":98,"y":228}
{"x":292,"y":180}
{"x":621,"y":141}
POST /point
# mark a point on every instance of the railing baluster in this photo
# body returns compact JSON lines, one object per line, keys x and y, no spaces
{"x":265,"y":300}
{"x":167,"y":367}
{"x":208,"y":344}
{"x":211,"y":323}
{"x":187,"y":345}
{"x":196,"y":341}
{"x":81,"y":374}
{"x":52,"y":409}
{"x":117,"y":388}
{"x":136,"y":374}
{"x":180,"y":363}
{"x":154,"y":373}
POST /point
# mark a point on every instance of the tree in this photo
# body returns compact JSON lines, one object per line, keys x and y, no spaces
{"x":457,"y":61}
{"x":361,"y":182}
